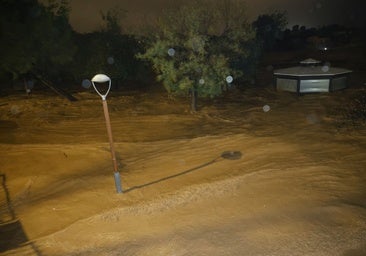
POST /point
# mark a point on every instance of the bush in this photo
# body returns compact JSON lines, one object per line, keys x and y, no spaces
{"x":197,"y":46}
{"x":357,"y":108}
{"x":355,"y":112}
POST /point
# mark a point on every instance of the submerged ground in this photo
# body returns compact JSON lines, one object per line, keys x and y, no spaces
{"x":298,"y":188}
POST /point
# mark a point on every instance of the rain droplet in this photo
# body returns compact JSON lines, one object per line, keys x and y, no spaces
{"x":269,"y":68}
{"x":171,"y":52}
{"x":86,"y":83}
{"x":266,"y":108}
{"x":229,"y":79}
{"x":30,"y":84}
{"x":201,"y":81}
{"x":325,"y":68}
{"x":110,"y":60}
{"x":312,"y":119}
{"x":15,"y":109}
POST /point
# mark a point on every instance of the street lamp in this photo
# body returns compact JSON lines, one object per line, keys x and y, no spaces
{"x":103,"y":79}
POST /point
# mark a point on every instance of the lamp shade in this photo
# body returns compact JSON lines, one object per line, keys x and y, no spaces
{"x":100,"y":78}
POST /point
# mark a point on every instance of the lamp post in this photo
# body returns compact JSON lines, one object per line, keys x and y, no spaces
{"x":103,"y":79}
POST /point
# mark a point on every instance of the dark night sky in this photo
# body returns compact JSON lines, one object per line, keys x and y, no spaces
{"x":85,"y":14}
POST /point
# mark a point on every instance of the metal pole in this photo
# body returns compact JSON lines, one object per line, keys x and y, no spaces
{"x":101,"y":78}
{"x":109,"y":131}
{"x":117,"y":178}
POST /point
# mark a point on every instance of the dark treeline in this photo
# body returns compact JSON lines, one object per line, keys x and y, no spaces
{"x":329,"y":36}
{"x":37,"y":40}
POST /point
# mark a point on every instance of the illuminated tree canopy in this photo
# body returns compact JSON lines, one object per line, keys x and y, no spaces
{"x":197,"y":46}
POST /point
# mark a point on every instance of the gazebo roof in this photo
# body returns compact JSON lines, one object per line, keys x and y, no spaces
{"x":310,"y":61}
{"x":311,"y":71}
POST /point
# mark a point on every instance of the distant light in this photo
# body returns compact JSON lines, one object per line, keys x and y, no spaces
{"x":325,"y":48}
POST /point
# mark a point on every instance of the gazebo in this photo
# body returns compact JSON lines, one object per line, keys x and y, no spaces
{"x":311,"y":76}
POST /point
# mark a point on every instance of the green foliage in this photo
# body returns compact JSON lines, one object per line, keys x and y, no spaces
{"x":269,"y":28}
{"x":34,"y":36}
{"x":197,"y":46}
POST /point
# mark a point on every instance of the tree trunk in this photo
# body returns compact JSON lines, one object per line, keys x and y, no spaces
{"x":194,"y":100}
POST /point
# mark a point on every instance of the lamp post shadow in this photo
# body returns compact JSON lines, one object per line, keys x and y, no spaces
{"x":12,"y":234}
{"x":231,"y":155}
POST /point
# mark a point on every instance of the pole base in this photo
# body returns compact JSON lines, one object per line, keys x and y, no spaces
{"x":117,"y":181}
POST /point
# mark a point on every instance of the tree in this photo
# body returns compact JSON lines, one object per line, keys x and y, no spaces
{"x":34,"y":37}
{"x":269,"y":28}
{"x":197,"y":46}
{"x":107,"y":51}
